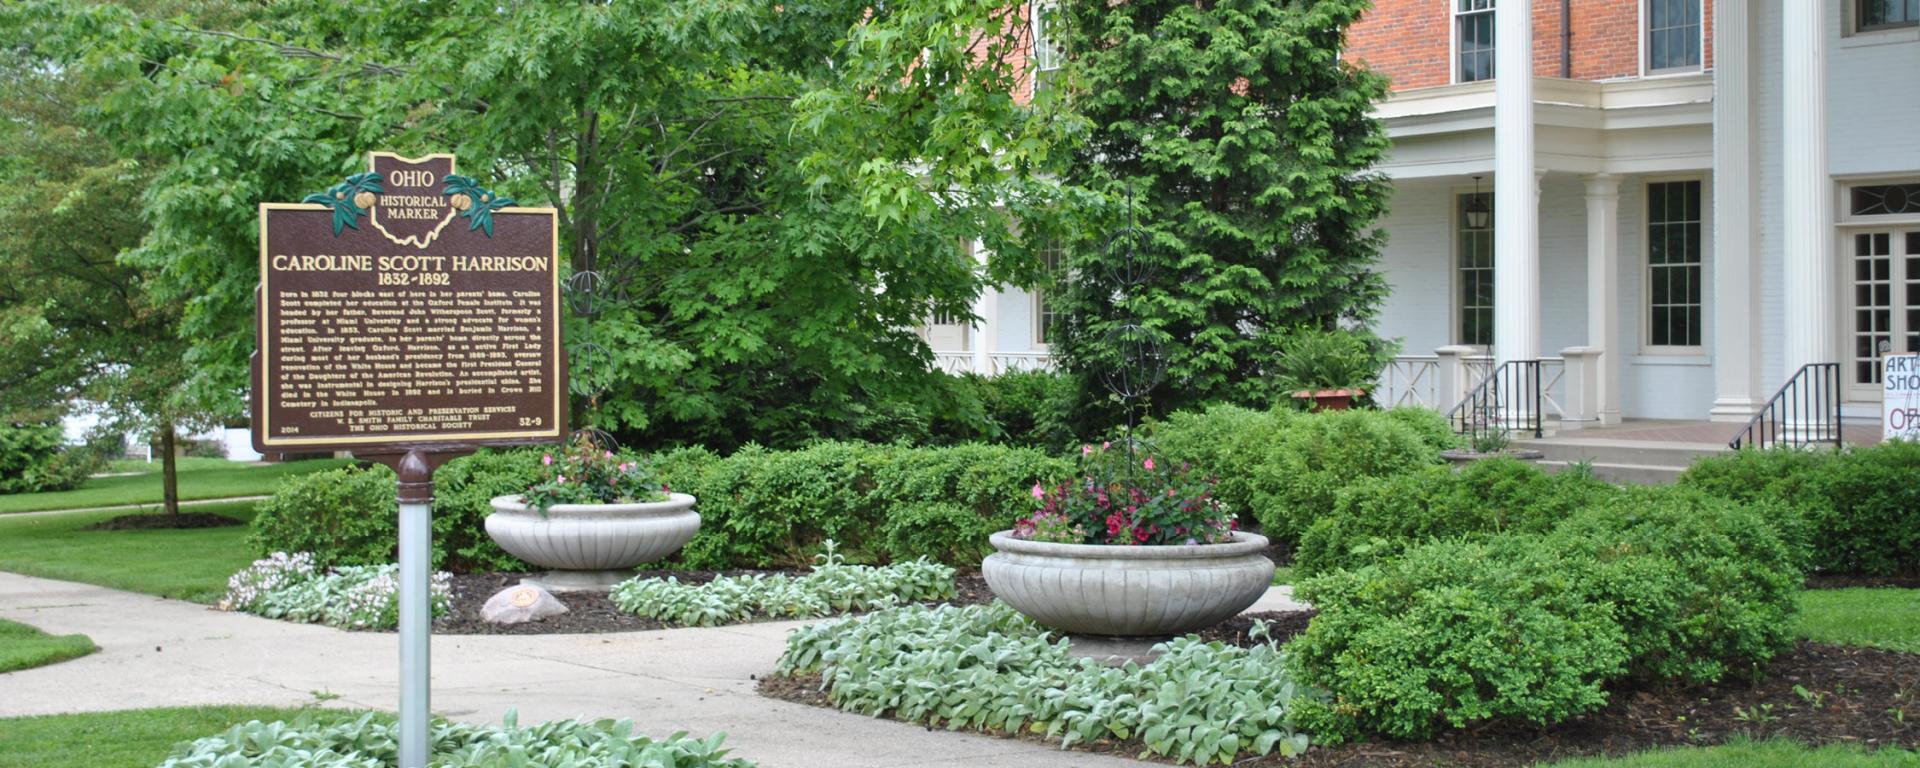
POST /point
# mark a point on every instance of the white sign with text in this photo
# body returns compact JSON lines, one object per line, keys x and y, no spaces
{"x":1900,"y":401}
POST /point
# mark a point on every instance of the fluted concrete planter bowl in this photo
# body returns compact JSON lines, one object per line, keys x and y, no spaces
{"x":591,"y":546}
{"x":1094,"y":589}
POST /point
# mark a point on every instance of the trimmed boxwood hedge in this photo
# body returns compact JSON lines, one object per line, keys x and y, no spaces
{"x":1660,"y":584}
{"x":1854,"y":511}
{"x":765,"y":508}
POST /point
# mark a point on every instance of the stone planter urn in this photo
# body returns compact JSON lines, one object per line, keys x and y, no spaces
{"x":1095,"y":589}
{"x":592,"y":546}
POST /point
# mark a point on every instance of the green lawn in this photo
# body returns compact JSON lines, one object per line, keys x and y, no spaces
{"x":190,"y":564}
{"x":1884,"y":618}
{"x":199,"y":479}
{"x":187,"y":464}
{"x":23,"y":647}
{"x":138,"y":738}
{"x":1754,"y":754}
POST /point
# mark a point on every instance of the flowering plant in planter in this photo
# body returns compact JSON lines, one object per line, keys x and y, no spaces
{"x":588,"y":474}
{"x":1128,"y":499}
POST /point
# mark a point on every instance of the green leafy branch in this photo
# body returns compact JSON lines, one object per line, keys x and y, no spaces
{"x":475,"y":202}
{"x":346,"y":208}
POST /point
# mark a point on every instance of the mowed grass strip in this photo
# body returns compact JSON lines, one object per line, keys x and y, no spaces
{"x":188,"y":564}
{"x":199,"y":479}
{"x":1880,"y":617}
{"x":1745,"y":753}
{"x":138,"y":738}
{"x":24,"y":647}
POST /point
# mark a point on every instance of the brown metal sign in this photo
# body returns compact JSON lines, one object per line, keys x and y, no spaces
{"x":404,"y":307}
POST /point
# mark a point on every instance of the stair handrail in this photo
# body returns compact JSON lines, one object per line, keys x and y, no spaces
{"x":1814,"y":389}
{"x":1492,"y":401}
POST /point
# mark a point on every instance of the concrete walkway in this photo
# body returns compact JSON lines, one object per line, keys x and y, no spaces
{"x":157,"y":652}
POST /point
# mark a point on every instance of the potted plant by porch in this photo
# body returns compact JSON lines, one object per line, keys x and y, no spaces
{"x":591,"y":518}
{"x":1129,"y":547}
{"x":1328,"y":369}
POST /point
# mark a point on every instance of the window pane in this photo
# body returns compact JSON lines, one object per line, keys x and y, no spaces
{"x":1673,"y":34}
{"x":1675,"y":281}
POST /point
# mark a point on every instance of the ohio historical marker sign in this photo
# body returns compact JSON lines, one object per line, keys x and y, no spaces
{"x":404,"y":307}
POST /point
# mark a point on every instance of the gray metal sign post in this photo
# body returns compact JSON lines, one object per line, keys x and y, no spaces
{"x":416,"y":610}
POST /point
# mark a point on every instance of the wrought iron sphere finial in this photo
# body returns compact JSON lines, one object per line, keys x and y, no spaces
{"x":1138,"y":363}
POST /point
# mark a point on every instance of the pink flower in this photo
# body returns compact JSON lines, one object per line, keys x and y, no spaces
{"x":560,"y":479}
{"x":1086,"y":450}
{"x":1149,"y":463}
{"x":1106,"y":445}
{"x":1038,"y":492}
{"x":547,"y":460}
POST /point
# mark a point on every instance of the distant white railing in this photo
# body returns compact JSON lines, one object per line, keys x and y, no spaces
{"x":959,"y":362}
{"x":955,"y":363}
{"x":1553,"y":385}
{"x":1004,"y":362}
{"x":1410,"y":380}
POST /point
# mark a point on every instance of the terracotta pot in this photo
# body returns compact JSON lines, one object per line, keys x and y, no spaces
{"x":1097,"y":589}
{"x":1329,"y":399}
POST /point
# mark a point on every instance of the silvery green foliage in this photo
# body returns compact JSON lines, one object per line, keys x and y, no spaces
{"x":986,"y":667}
{"x":284,"y":586}
{"x":370,"y":742}
{"x":831,"y":587}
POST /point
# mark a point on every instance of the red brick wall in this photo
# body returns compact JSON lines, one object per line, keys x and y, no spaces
{"x":1410,"y":41}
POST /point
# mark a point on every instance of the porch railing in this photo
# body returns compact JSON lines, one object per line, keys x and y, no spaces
{"x":959,"y":362}
{"x":1508,"y":400}
{"x":1409,"y":380}
{"x":1806,"y":411}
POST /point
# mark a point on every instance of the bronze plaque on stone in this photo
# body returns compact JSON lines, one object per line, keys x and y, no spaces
{"x":405,"y":307}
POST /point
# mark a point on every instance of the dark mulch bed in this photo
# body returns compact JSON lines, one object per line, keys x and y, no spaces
{"x":146,"y":521}
{"x":593,"y":612}
{"x":1815,"y":694}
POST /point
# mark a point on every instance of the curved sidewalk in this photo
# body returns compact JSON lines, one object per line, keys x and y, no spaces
{"x":156,"y":652}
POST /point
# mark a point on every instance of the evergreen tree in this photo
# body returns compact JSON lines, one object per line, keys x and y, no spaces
{"x":1237,"y":144}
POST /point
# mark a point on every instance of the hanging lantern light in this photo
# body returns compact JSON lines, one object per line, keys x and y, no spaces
{"x":1477,"y":212}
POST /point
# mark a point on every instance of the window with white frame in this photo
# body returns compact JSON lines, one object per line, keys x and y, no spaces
{"x":1473,"y":218}
{"x":1870,"y":15}
{"x":1674,"y":272}
{"x":1047,"y":53}
{"x":1473,"y":40}
{"x":1673,"y":32}
{"x":1046,"y":313}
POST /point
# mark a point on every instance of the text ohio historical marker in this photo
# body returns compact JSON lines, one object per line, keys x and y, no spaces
{"x":407,"y":306}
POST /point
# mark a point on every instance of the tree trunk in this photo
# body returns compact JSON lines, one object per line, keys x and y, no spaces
{"x":169,"y":470}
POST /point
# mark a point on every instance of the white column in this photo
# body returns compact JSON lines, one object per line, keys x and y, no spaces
{"x":1807,"y":226}
{"x":1516,"y":236}
{"x":987,"y":308}
{"x":1603,"y":294}
{"x":1736,"y":281}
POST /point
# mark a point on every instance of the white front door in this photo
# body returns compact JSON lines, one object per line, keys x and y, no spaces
{"x":946,"y":334}
{"x":1884,"y":304}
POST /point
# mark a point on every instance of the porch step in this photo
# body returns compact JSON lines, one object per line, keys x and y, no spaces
{"x":1621,"y":474}
{"x":1642,"y":462}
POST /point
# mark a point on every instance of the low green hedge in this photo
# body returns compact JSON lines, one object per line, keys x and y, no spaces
{"x":1284,"y":470}
{"x":1858,"y":509}
{"x":1658,"y":583}
{"x":1452,"y":633}
{"x":349,"y":516}
{"x":758,"y":508}
{"x":1379,"y":517}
